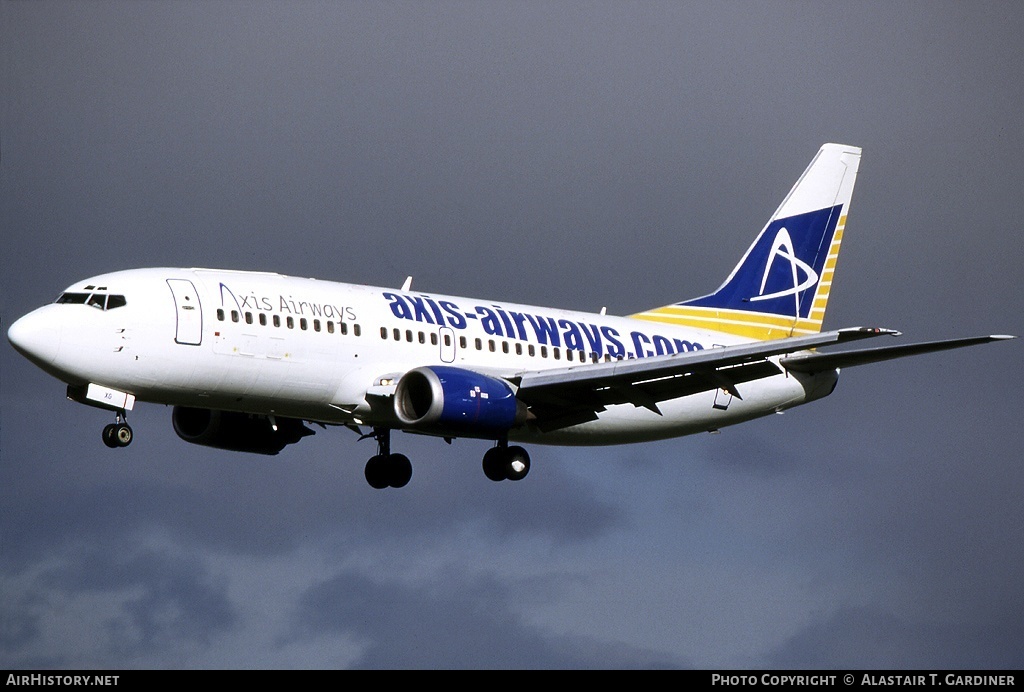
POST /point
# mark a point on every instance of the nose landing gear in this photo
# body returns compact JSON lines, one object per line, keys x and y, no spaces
{"x":118,"y":433}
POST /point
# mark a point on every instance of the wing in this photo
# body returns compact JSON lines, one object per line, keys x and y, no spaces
{"x":569,"y":396}
{"x":817,"y":362}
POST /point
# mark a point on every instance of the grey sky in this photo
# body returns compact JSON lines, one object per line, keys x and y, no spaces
{"x":578,"y":155}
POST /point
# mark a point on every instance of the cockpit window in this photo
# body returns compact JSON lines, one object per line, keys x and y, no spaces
{"x":101,"y":301}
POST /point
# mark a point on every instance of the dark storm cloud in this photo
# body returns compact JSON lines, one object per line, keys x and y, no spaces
{"x":172,"y":599}
{"x":19,"y":622}
{"x":859,"y":638}
{"x":153,"y":602}
{"x":453,"y":622}
{"x":265,"y":506}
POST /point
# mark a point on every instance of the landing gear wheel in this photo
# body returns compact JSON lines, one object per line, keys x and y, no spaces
{"x":494,"y":464}
{"x":118,"y":433}
{"x":388,"y":470}
{"x":399,"y":470}
{"x":109,"y":438}
{"x":376,"y":472}
{"x":385,"y":469}
{"x":123,"y":434}
{"x":517,"y":463}
{"x":506,"y":463}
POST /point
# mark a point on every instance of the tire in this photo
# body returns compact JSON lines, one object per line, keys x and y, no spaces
{"x":376,"y":472}
{"x":109,"y":438}
{"x":494,"y":464}
{"x":399,"y":470}
{"x":123,"y":435}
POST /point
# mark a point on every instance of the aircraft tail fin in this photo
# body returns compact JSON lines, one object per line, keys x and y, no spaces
{"x":780,"y":287}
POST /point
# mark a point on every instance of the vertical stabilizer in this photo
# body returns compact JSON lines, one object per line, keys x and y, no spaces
{"x":781,"y":286}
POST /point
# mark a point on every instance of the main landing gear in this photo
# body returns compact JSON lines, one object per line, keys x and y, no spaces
{"x":506,"y":463}
{"x":118,"y":433}
{"x":387,"y":470}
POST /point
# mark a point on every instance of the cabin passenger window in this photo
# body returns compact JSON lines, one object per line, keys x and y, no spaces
{"x":277,"y":320}
{"x":290,"y":322}
{"x":462,"y":342}
{"x":433,"y":339}
{"x":504,"y":347}
{"x":356,"y":330}
{"x":344,"y":328}
{"x":248,"y":318}
{"x":303,"y":324}
{"x":490,"y":345}
{"x":316,"y":325}
{"x":531,"y":351}
{"x":384,"y":333}
{"x":556,"y":352}
{"x":519,"y":349}
{"x":330,"y":327}
{"x":408,"y":335}
{"x":234,"y":315}
{"x":423,"y":338}
{"x":220,"y":314}
{"x":398,"y":335}
{"x":478,"y":343}
{"x":543,"y":351}
{"x":263,"y":320}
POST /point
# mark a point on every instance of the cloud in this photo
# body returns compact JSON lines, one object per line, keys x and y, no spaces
{"x":870,"y":637}
{"x":87,"y":607}
{"x":452,"y":622}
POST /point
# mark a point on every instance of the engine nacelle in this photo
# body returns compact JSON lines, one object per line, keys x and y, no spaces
{"x":238,"y":432}
{"x":462,"y":402}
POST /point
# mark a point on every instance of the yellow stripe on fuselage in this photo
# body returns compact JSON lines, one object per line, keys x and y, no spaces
{"x":754,"y":325}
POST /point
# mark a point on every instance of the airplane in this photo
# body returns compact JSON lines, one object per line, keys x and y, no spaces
{"x":247,"y":359}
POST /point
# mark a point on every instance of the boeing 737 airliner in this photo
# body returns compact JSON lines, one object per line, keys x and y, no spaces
{"x":248,"y":359}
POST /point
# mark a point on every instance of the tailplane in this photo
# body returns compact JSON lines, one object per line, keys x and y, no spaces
{"x":781,"y":286}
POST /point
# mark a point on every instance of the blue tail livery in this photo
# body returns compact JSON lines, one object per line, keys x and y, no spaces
{"x":781,"y":286}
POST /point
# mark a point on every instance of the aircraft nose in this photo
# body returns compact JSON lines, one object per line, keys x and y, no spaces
{"x":36,"y":336}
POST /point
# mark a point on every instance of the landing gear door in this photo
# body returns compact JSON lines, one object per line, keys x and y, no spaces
{"x":189,"y":314}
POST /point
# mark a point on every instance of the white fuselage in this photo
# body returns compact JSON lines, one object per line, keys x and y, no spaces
{"x":331,"y":352}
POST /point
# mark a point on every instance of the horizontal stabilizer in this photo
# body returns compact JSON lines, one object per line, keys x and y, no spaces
{"x":818,"y":362}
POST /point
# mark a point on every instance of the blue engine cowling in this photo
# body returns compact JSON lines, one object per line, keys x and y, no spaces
{"x":461,"y":402}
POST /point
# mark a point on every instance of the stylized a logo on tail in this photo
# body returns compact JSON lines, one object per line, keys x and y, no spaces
{"x":782,"y":247}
